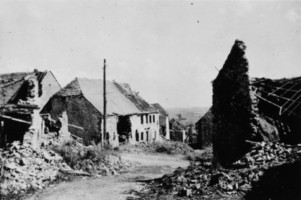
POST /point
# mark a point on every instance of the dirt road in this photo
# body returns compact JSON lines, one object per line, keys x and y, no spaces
{"x":147,"y":166}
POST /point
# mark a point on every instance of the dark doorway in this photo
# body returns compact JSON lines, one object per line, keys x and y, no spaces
{"x":124,"y":128}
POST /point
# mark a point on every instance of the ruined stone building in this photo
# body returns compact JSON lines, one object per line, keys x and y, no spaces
{"x":129,"y":116}
{"x":256,"y":109}
{"x":22,"y":97}
{"x":163,"y":120}
{"x":204,"y":129}
{"x":177,"y":130}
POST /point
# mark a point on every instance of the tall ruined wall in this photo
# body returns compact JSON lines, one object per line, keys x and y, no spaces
{"x":231,"y":108}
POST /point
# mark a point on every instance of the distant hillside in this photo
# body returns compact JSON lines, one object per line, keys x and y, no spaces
{"x":192,"y":115}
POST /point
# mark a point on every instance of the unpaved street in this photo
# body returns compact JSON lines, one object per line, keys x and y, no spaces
{"x":146,"y":166}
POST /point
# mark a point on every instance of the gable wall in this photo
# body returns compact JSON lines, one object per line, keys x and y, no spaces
{"x":50,"y":86}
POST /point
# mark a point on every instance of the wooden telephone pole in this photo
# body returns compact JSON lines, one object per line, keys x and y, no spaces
{"x":104,"y":104}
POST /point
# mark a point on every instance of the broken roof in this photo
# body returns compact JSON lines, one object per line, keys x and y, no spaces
{"x":117,"y":102}
{"x":176,"y":124}
{"x":283,"y":95}
{"x":134,"y":97}
{"x":160,"y":109}
{"x":207,"y":115}
{"x":10,"y":83}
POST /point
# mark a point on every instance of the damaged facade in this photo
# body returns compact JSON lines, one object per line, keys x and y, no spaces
{"x":129,"y":117}
{"x":163,"y":120}
{"x":145,"y":125}
{"x":256,"y":109}
{"x":23,"y":95}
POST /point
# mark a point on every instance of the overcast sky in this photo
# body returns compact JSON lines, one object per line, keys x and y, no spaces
{"x":169,"y":51}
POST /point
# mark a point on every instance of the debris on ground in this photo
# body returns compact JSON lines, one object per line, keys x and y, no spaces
{"x":168,"y":147}
{"x":25,"y":168}
{"x":199,"y":180}
{"x":92,"y":159}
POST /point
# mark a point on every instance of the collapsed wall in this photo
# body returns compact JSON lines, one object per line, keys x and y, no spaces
{"x":80,"y":114}
{"x":23,"y":97}
{"x":231,"y":108}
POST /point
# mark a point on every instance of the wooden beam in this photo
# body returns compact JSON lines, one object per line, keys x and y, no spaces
{"x":15,"y":119}
{"x":74,"y":126}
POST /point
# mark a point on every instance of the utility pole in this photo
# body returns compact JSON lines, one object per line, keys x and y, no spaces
{"x":104,"y":104}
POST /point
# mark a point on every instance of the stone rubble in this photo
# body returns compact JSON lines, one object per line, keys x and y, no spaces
{"x":110,"y":165}
{"x":200,"y":180}
{"x":25,"y":168}
{"x":92,"y":159}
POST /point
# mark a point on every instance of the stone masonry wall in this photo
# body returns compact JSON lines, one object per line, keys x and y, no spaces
{"x":231,"y":108}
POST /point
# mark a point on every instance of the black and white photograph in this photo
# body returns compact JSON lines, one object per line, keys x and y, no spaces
{"x":150,"y":99}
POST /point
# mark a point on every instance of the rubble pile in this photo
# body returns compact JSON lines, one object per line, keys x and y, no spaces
{"x":200,"y":180}
{"x":174,"y":148}
{"x":92,"y":159}
{"x":25,"y":168}
{"x":109,"y":165}
{"x":168,"y":147}
{"x":265,"y":154}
